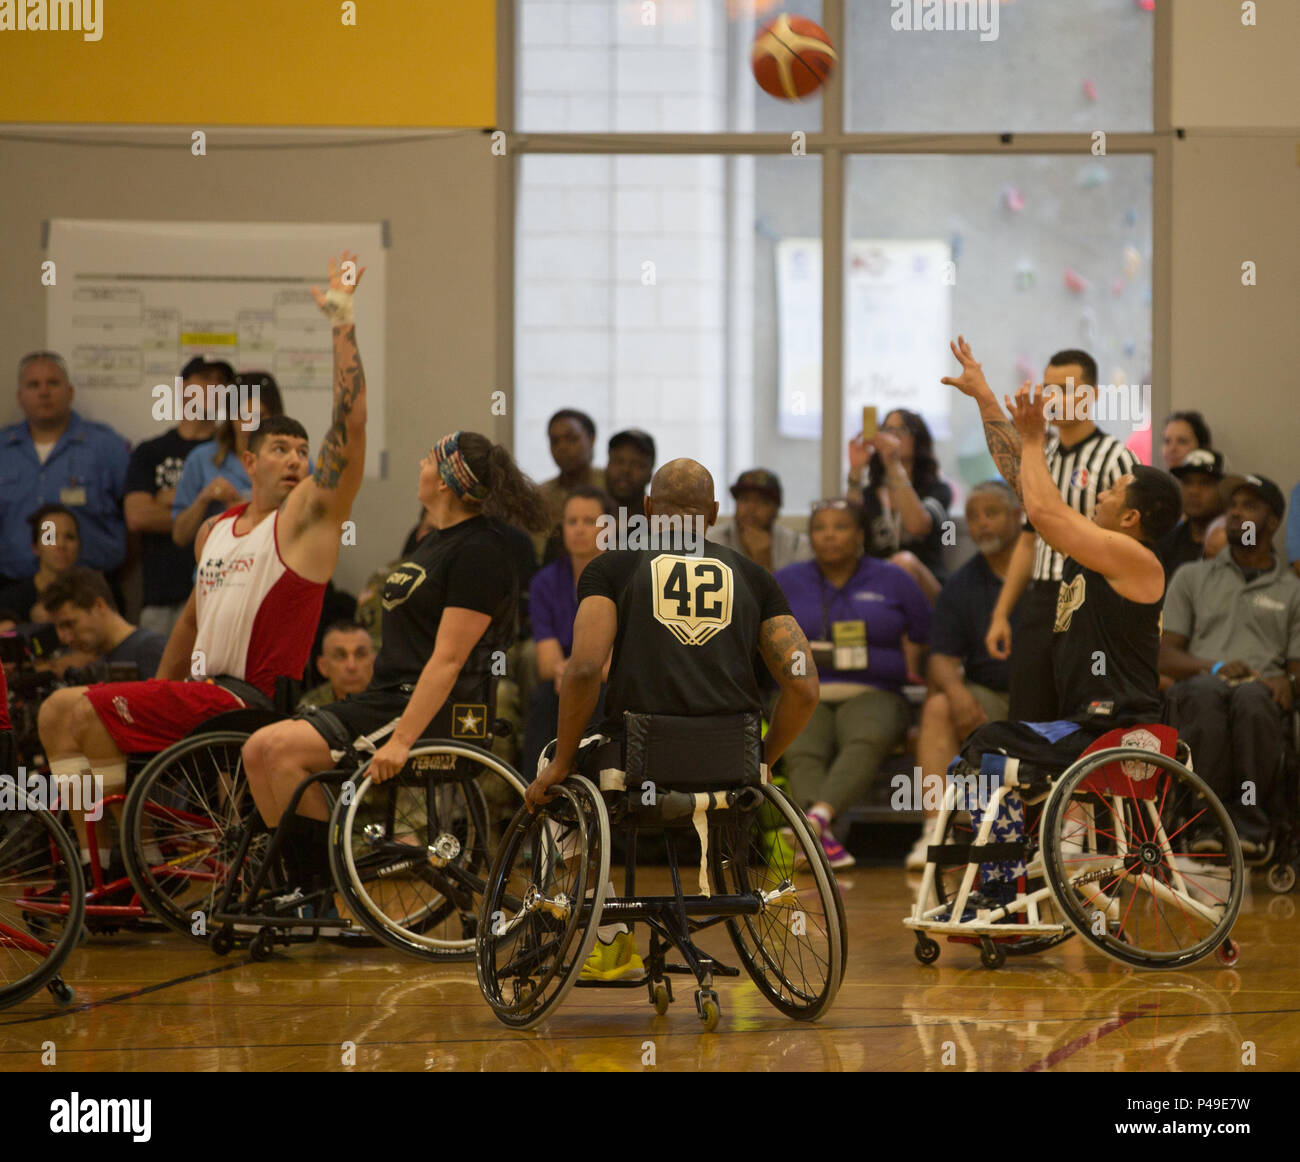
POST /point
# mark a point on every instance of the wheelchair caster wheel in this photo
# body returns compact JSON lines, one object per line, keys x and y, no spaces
{"x":1228,"y":951}
{"x":263,"y":945}
{"x":60,"y":991}
{"x":927,"y":950}
{"x":706,"y":1004}
{"x":991,"y":955}
{"x":1281,"y":878}
{"x":661,"y":997}
{"x":222,"y":941}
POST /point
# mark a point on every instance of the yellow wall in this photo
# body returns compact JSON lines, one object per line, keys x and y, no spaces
{"x":257,"y":62}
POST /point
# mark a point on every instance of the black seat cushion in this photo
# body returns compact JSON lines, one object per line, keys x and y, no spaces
{"x":692,"y":754}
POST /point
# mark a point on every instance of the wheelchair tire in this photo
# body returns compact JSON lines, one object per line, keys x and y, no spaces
{"x":947,"y":883}
{"x":182,"y":823}
{"x":794,"y":950}
{"x":1134,"y":851}
{"x":411,"y":856}
{"x":543,"y":905}
{"x":42,"y":901}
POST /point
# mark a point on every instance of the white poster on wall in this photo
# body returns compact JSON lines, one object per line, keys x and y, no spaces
{"x":898,"y":314}
{"x":135,"y":301}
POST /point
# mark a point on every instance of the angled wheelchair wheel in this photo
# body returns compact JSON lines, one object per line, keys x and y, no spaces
{"x":794,"y":949}
{"x":542,"y":909}
{"x":947,"y":883}
{"x":42,"y":898}
{"x":1143,"y":859}
{"x":410,"y":856}
{"x":183,"y":827}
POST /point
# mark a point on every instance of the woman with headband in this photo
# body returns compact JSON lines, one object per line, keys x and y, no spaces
{"x":448,"y":606}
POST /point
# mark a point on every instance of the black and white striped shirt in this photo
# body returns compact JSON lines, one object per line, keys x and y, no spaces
{"x":1080,"y":472}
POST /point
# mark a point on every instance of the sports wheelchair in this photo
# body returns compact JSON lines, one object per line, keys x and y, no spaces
{"x":762,"y":876}
{"x":408,"y":858}
{"x":1111,"y":851}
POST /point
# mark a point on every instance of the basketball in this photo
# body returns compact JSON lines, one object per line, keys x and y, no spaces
{"x":792,"y":57}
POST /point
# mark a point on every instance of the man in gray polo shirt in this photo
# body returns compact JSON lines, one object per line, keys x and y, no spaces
{"x":1231,"y":642}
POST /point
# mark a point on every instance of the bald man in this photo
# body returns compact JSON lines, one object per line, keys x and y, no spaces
{"x":684,"y":618}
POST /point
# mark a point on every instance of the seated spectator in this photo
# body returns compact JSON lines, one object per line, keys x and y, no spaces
{"x":754,"y":530}
{"x":167,"y":569}
{"x":858,"y":612}
{"x":1231,"y":644}
{"x":1293,"y":531}
{"x":56,"y":545}
{"x":1199,"y":475}
{"x":553,"y":604}
{"x":346,"y":661}
{"x":1184,"y":432}
{"x":573,"y":436}
{"x":629,"y":467}
{"x":904,"y":502}
{"x":54,"y":456}
{"x":83,"y":611}
{"x":967,"y":687}
{"x":214,"y":478}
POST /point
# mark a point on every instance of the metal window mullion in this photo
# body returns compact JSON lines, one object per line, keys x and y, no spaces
{"x":833,"y":273}
{"x":507,"y":192}
{"x":884,"y":143}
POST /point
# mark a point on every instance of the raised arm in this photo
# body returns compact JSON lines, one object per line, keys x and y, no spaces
{"x":320,"y":504}
{"x":999,"y":433}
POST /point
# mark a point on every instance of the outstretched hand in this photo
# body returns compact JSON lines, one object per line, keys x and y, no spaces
{"x":1027,"y":411}
{"x":971,"y":381}
{"x":539,"y":790}
{"x":344,"y":281}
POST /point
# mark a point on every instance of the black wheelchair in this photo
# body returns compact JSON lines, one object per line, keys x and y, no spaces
{"x":762,"y":876}
{"x":408,"y":858}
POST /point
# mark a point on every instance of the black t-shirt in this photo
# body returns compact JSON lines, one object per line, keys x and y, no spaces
{"x":167,"y":568}
{"x":1105,"y":650}
{"x":1176,"y":548}
{"x":688,"y":630}
{"x":467,"y":566}
{"x":880,"y":533}
{"x":961,"y":620}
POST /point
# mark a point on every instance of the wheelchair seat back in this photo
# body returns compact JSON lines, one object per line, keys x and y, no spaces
{"x":692,"y":754}
{"x":1130,"y":777}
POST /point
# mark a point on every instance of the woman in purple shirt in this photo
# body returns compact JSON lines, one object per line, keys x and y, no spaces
{"x":552,"y":607}
{"x":862,"y":616}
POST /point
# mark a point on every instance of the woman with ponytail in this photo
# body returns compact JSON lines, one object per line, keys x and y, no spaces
{"x":448,"y":607}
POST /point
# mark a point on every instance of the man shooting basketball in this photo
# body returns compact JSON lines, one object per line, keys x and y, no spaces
{"x":262,"y":569}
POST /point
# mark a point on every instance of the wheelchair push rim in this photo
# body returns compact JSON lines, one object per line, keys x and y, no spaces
{"x":542,"y":908}
{"x":1118,"y":855}
{"x":411,"y":856}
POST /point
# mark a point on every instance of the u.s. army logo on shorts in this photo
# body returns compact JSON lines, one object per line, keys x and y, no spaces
{"x":1068,"y":599}
{"x":468,"y":720}
{"x":692,"y":596}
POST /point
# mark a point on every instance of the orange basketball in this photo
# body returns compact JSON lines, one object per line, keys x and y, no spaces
{"x":791,"y":57}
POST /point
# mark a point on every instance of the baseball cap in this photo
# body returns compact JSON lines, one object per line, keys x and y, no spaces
{"x":759,"y":480}
{"x":1261,"y":486}
{"x":642,"y":441}
{"x":1200,"y":460}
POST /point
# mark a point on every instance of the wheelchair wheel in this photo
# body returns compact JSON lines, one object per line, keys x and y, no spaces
{"x":42,"y":899}
{"x":794,"y":949}
{"x":182,"y":826}
{"x":542,"y":908}
{"x":1125,"y":857}
{"x":947,"y":883}
{"x":410,"y":856}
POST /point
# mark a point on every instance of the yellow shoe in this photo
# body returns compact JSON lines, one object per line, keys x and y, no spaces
{"x":615,"y":960}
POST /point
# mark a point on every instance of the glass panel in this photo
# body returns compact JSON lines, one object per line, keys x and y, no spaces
{"x":968,"y":66}
{"x":654,"y":66}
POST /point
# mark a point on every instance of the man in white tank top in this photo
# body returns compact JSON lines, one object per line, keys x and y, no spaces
{"x":262,"y":569}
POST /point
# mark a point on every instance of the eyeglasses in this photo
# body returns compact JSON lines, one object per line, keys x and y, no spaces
{"x":834,"y":502}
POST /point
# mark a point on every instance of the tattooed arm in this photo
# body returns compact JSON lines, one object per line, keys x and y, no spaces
{"x":318,"y":506}
{"x":999,"y":432}
{"x":788,"y":657}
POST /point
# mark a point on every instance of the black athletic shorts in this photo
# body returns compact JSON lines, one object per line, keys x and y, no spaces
{"x":373,"y":714}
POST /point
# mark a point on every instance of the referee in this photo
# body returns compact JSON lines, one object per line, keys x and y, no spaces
{"x":1082,"y":461}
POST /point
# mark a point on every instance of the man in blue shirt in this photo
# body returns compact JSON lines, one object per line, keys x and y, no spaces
{"x":55,"y":456}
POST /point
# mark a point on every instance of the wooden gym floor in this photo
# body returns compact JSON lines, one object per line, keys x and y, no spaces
{"x":152,"y":1002}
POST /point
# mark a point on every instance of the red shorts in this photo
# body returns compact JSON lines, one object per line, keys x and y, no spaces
{"x":146,"y":717}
